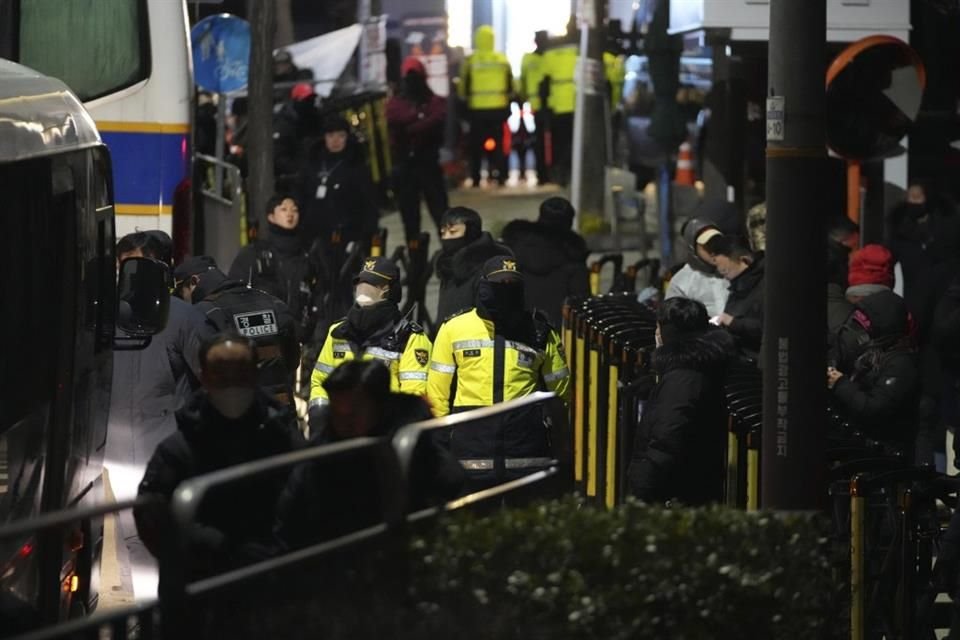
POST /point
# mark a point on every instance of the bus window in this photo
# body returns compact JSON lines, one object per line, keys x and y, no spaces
{"x":95,"y":46}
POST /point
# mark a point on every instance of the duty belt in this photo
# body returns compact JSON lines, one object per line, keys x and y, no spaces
{"x":508,"y":463}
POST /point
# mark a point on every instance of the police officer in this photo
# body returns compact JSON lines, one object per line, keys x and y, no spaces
{"x":279,"y":264}
{"x":615,"y":76}
{"x":374,"y":328}
{"x":232,"y":305}
{"x":559,"y":70}
{"x":492,"y":353}
{"x":531,"y":82}
{"x":486,"y":83}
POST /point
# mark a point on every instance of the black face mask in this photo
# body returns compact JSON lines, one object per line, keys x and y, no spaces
{"x":452,"y":245}
{"x":365,"y":321}
{"x":415,"y":87}
{"x":501,"y":302}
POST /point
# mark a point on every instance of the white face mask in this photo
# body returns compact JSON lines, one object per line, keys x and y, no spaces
{"x":368,"y":294}
{"x":231,"y":402}
{"x":364,"y":300}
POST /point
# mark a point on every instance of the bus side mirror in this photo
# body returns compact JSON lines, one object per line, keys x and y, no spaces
{"x":143,"y":294}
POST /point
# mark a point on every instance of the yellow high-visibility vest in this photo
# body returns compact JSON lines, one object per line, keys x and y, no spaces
{"x":560,"y":65}
{"x":531,"y":75}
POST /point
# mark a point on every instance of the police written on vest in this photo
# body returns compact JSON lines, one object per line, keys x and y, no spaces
{"x":231,"y":305}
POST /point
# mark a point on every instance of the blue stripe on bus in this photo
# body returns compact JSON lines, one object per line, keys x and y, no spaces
{"x":147,"y":167}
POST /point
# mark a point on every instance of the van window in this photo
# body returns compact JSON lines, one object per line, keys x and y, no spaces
{"x":96,"y":47}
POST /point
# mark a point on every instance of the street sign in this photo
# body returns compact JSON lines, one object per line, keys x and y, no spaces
{"x":775,"y":119}
{"x":221,"y":53}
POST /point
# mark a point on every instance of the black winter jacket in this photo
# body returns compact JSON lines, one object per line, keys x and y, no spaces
{"x":929,"y":253}
{"x":279,"y":264}
{"x":460,"y":273}
{"x":340,"y":495}
{"x":553,"y":263}
{"x":679,"y":448}
{"x":234,"y":524}
{"x":745,"y":304}
{"x":349,"y":197}
{"x":882,"y":397}
{"x":880,"y":391}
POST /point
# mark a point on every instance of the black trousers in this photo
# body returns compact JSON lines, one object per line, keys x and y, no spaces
{"x":562,"y":135}
{"x":485,"y":125}
{"x":416,"y":178}
{"x":539,"y":147}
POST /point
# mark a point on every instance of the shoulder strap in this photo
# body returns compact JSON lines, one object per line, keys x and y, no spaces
{"x":541,"y":329}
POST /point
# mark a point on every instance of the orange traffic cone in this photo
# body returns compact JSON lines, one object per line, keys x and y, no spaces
{"x":684,"y":175}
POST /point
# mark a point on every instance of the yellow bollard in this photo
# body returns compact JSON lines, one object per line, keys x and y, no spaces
{"x":580,"y":397}
{"x":733,"y":464}
{"x":857,"y":570}
{"x":369,"y":125}
{"x":753,"y":479}
{"x":595,"y":281}
{"x":568,"y":337}
{"x":593,"y":439}
{"x":753,"y":471}
{"x":383,"y":131}
{"x":610,"y":497}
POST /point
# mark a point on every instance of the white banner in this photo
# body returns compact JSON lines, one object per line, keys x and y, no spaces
{"x":327,"y":55}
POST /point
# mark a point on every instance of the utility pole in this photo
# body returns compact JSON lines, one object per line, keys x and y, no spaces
{"x":284,"y":34}
{"x":794,"y":358}
{"x":263,"y":20}
{"x":590,"y":119}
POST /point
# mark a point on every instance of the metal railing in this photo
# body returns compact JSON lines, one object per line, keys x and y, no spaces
{"x":397,"y":518}
{"x":223,"y":224}
{"x":58,"y":522}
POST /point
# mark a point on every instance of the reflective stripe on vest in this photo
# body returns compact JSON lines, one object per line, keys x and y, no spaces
{"x":483,"y":464}
{"x":489,"y":81}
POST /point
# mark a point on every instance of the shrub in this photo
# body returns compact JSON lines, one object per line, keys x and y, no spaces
{"x":567,"y":570}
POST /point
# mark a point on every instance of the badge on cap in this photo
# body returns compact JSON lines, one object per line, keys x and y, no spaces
{"x":422,"y":356}
{"x":509,"y":265}
{"x":369,"y":265}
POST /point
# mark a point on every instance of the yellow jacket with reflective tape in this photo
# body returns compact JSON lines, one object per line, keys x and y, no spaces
{"x":465,"y":350}
{"x":560,"y":65}
{"x":408,"y":367}
{"x":531,"y":75}
{"x":486,"y":80}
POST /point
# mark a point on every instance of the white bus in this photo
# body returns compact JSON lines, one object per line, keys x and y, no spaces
{"x":129,"y":62}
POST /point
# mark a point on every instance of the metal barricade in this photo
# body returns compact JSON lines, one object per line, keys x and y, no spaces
{"x":222,"y":225}
{"x":417,"y":268}
{"x":596,"y":270}
{"x":207,"y":606}
{"x":378,"y":243}
{"x":888,"y":557}
{"x":650,"y":265}
{"x":605,"y":341}
{"x":743,"y":390}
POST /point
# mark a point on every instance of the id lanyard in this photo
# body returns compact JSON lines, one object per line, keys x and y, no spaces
{"x":324,"y":174}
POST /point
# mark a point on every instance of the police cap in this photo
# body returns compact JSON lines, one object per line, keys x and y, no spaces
{"x":378,"y":272}
{"x":501,"y":269}
{"x":193,"y":266}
